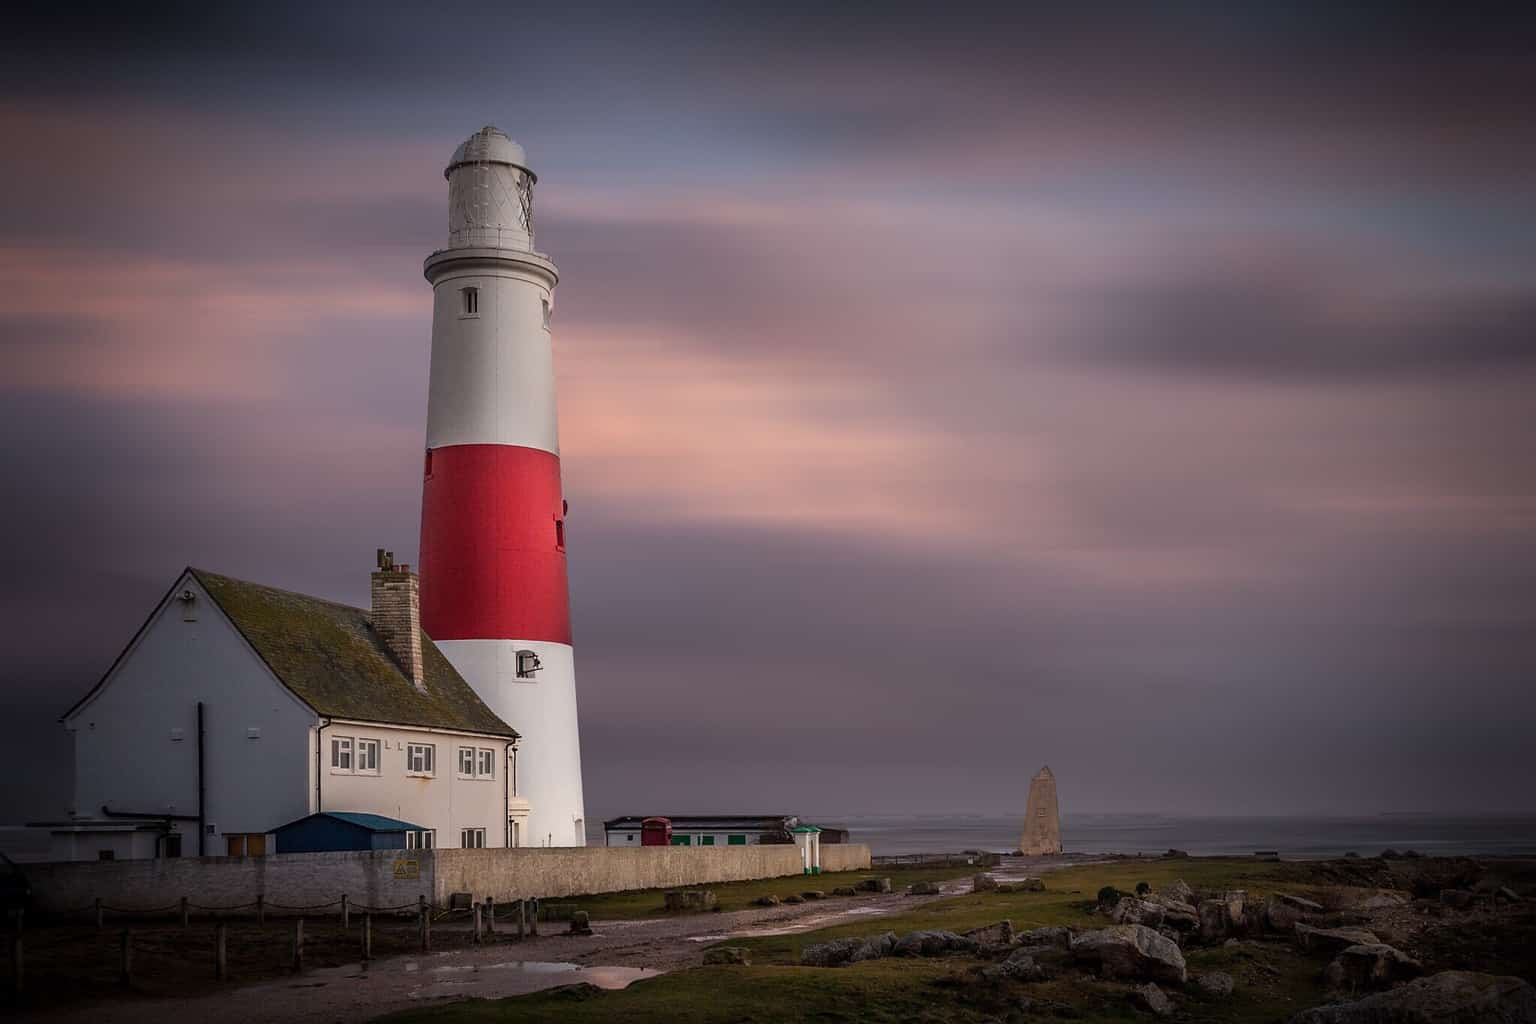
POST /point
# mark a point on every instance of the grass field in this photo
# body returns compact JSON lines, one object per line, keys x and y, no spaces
{"x":1274,"y":980}
{"x":740,"y":895}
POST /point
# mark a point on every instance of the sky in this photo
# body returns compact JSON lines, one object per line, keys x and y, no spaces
{"x":1142,"y":390}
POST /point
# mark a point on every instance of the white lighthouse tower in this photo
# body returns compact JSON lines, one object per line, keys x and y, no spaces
{"x":493,"y":580}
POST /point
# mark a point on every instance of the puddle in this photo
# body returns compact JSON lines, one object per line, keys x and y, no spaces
{"x":513,"y":977}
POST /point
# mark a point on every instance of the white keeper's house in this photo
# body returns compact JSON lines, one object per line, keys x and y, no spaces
{"x":239,"y":708}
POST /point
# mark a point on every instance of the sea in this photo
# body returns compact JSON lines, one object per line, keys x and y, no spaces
{"x":1300,"y":838}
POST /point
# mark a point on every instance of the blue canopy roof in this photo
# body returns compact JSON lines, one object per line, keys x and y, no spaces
{"x":371,"y":822}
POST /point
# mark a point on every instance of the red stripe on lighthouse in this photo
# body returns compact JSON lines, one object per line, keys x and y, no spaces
{"x":492,"y":556}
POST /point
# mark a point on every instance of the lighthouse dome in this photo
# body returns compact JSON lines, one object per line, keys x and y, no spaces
{"x":489,"y":145}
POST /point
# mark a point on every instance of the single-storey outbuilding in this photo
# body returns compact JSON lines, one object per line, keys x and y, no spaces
{"x":343,"y":830}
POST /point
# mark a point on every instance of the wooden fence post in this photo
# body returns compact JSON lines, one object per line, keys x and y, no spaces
{"x":426,"y":926}
{"x":221,"y":951}
{"x":367,"y":937}
{"x":479,"y":923}
{"x":522,"y":918}
{"x":346,"y":914}
{"x":261,"y":909}
{"x":183,"y":911}
{"x":490,"y":915}
{"x":298,"y":944}
{"x":533,"y":919}
{"x":125,"y":971}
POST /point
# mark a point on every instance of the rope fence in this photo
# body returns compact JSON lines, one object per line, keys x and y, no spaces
{"x":163,"y":949}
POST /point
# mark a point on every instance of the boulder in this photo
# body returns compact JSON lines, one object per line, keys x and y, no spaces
{"x":1332,"y":940}
{"x":1021,"y":965}
{"x":1459,"y":898}
{"x":581,"y":923}
{"x":1050,"y":935}
{"x":1179,"y":891}
{"x":1150,"y":998}
{"x":933,"y":943}
{"x":983,"y":883}
{"x":830,"y":954}
{"x":923,"y":889}
{"x":845,"y":890}
{"x":1131,"y":910}
{"x":1000,"y":934}
{"x":1131,"y":951}
{"x":876,"y":885}
{"x":1214,"y":920}
{"x":813,"y":894}
{"x":874,"y":948}
{"x":1369,"y":967}
{"x":1216,"y":984}
{"x":1450,"y":997}
{"x":1283,"y":912}
{"x":1386,"y":899}
{"x":727,"y":955}
{"x":766,"y":901}
{"x":1178,"y":915}
{"x":793,"y":899}
{"x":1504,"y":894}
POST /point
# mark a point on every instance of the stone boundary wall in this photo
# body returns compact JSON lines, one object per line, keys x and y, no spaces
{"x":844,"y":857}
{"x":369,"y":878}
{"x":526,"y":873}
{"x":394,"y":878}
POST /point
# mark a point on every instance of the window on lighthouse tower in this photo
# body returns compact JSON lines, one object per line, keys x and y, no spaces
{"x":469,"y":302}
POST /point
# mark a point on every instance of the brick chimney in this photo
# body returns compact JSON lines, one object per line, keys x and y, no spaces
{"x":397,"y":614}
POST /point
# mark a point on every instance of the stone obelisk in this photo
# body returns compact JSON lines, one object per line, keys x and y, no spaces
{"x":1042,"y":817}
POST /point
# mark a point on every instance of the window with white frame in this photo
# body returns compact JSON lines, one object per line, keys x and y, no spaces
{"x":467,"y":762}
{"x":486,"y":768}
{"x":477,"y":763}
{"x":368,"y":757}
{"x":472,"y":838}
{"x":420,"y":758}
{"x":469,"y":302}
{"x":341,"y":753}
{"x":423,"y":840}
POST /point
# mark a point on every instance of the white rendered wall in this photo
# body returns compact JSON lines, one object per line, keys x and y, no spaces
{"x":125,"y":755}
{"x":493,"y":376}
{"x":444,"y":801}
{"x":543,"y":711}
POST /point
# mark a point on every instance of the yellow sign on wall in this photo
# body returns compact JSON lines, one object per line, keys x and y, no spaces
{"x":407,"y":869}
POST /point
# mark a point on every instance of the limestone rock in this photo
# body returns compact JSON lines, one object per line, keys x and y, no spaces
{"x":1450,"y":997}
{"x":727,"y":955}
{"x":1177,"y":914}
{"x":1050,"y":935}
{"x":1131,"y":910}
{"x":690,"y":900}
{"x":793,"y":899}
{"x":581,"y":923}
{"x":1150,"y":998}
{"x":1023,"y":885}
{"x":1217,"y":984}
{"x":1284,"y":912}
{"x":1042,"y":817}
{"x":766,"y":901}
{"x":1215,"y":923}
{"x":1021,"y":965}
{"x":1180,"y":891}
{"x":933,"y":943}
{"x":1386,"y":899}
{"x":1131,"y":951}
{"x":1332,"y":940}
{"x":813,"y":894}
{"x":874,"y":948}
{"x":983,"y":883}
{"x":923,"y":889}
{"x":845,"y":890}
{"x":830,"y":954}
{"x":876,"y":885}
{"x":1370,"y":966}
{"x":1459,"y":898}
{"x":1000,"y":934}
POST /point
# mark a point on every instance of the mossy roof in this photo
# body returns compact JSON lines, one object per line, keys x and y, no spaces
{"x":330,"y":657}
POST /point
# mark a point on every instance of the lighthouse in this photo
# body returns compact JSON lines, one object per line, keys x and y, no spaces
{"x":494,"y":596}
